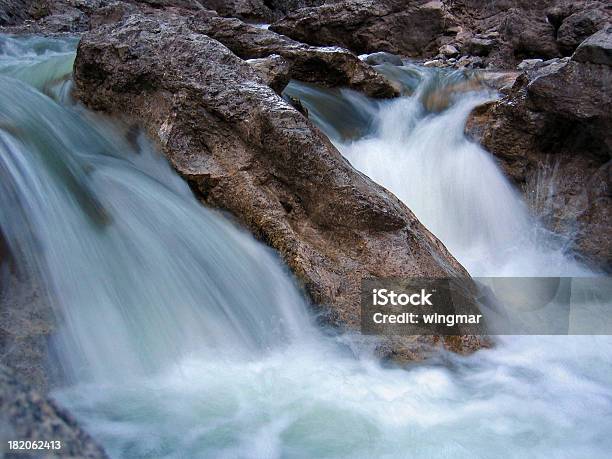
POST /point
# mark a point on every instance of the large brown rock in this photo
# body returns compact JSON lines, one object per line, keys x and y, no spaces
{"x":328,"y":66}
{"x":409,"y":27}
{"x":244,"y":149}
{"x":25,"y":414}
{"x":553,"y":135}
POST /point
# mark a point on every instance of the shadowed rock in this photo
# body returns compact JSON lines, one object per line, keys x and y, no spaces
{"x":553,"y":135}
{"x":411,"y":28}
{"x":244,"y":149}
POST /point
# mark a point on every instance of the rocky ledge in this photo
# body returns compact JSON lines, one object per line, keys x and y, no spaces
{"x":244,"y":149}
{"x":553,"y":135}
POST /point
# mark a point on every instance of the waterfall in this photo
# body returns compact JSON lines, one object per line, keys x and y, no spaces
{"x":181,"y":336}
{"x":454,"y":187}
{"x":76,"y":189}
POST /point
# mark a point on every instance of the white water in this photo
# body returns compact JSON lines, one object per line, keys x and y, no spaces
{"x":186,"y":338}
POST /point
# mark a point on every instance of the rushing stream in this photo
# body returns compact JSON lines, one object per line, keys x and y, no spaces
{"x":183,"y":337}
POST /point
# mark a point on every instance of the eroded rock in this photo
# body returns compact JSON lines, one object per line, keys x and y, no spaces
{"x":553,"y":136}
{"x":246,"y":150}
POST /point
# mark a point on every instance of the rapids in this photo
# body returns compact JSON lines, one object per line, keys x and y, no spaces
{"x":181,"y":336}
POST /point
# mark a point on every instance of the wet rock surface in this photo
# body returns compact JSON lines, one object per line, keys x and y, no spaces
{"x":244,"y":149}
{"x":553,"y":136}
{"x":25,"y":414}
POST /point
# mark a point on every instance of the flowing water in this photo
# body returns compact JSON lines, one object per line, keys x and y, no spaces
{"x":181,"y":336}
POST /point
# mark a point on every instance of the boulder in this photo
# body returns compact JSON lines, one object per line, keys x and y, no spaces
{"x":597,"y":49}
{"x":553,"y":135}
{"x":411,"y":28}
{"x":328,"y":66}
{"x":25,"y":414}
{"x":580,"y":25}
{"x":244,"y":149}
{"x":529,"y":36}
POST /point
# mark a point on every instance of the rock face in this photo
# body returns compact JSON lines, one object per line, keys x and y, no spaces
{"x":244,"y":149}
{"x":27,"y":415}
{"x":553,"y":135}
{"x":329,"y":66}
{"x":411,"y":28}
{"x":503,"y":32}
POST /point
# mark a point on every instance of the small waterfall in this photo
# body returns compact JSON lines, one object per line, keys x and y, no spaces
{"x":415,"y":146}
{"x":76,"y":189}
{"x":182,"y":337}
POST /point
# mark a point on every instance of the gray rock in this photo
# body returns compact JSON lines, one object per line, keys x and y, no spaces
{"x":579,"y":26}
{"x":246,"y":150}
{"x":597,"y":49}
